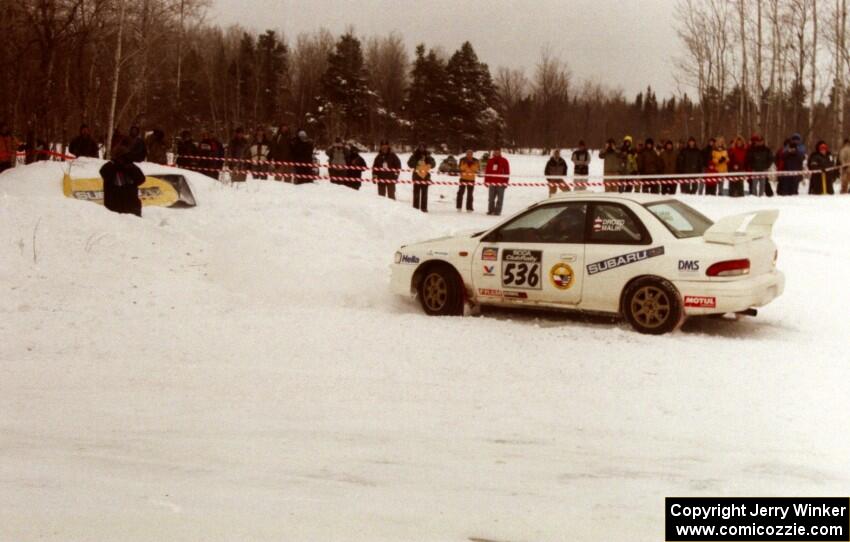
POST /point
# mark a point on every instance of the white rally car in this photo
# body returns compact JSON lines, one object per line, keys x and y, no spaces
{"x":650,"y":258}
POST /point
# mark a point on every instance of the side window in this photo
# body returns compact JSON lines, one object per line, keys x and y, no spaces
{"x":614,"y":224}
{"x":556,"y":223}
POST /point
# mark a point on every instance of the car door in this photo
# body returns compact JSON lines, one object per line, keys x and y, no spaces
{"x":618,"y":248}
{"x":536,"y":258}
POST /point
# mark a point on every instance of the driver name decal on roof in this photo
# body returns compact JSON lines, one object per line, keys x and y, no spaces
{"x":625,"y":259}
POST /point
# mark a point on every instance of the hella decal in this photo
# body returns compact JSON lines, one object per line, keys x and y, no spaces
{"x":409,"y":258}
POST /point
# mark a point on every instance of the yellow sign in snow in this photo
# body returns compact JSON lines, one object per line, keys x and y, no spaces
{"x":152,"y":192}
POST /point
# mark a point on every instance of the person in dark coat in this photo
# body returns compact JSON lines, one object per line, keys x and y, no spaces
{"x":823,"y":177}
{"x":649,"y":163}
{"x":211,"y":151}
{"x":668,"y":159}
{"x":422,"y":162}
{"x":84,"y":144}
{"x":157,"y":147}
{"x":121,"y":181}
{"x":689,"y":162}
{"x":280,"y":150}
{"x":628,"y":163}
{"x":759,"y":159}
{"x":792,"y":160}
{"x":187,"y":151}
{"x":556,"y":166}
{"x":386,"y":159}
{"x":356,"y":165}
{"x":610,"y":165}
{"x":236,"y":151}
{"x":138,"y":152}
{"x":302,"y":154}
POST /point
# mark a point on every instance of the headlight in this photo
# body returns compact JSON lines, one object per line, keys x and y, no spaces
{"x":397,"y":256}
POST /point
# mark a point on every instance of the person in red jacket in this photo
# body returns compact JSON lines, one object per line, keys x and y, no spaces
{"x":496,"y":178}
{"x":737,"y":162}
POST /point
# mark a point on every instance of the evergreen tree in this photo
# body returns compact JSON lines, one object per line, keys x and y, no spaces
{"x":242,"y":74}
{"x":426,"y":105}
{"x":273,"y":65}
{"x":344,"y":103}
{"x":470,"y":95}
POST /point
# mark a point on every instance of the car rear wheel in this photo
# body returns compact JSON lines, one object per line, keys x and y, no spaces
{"x":441,"y":292}
{"x":652,"y":306}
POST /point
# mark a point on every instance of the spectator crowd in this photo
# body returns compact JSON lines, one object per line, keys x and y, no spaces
{"x":663,"y":167}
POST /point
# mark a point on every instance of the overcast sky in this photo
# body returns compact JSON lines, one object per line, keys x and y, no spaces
{"x":621,"y":44}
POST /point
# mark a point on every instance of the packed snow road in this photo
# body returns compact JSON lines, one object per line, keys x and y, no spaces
{"x":240,"y":371}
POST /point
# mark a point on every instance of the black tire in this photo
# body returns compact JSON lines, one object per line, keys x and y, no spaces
{"x":652,"y":306}
{"x":441,"y":291}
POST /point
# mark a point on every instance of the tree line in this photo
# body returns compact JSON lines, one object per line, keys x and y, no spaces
{"x":771,"y":67}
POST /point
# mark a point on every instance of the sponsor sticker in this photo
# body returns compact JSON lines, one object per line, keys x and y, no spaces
{"x":562,"y":276}
{"x":625,"y":259}
{"x":608,"y":224}
{"x":409,"y":258}
{"x":516,"y":295}
{"x":487,"y":292}
{"x":489,"y":270}
{"x":699,"y":301}
{"x":521,"y":269}
{"x":688,"y":266}
{"x":490,"y":254}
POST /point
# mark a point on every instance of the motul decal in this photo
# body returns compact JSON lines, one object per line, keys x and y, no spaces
{"x":700,"y":302}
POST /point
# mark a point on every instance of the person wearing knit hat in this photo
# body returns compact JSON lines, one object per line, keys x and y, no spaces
{"x":649,"y":163}
{"x":386,"y":160}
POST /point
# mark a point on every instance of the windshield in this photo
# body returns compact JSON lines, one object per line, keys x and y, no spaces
{"x":682,"y":220}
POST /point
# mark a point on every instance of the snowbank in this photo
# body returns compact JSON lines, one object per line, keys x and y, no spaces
{"x":238,"y":370}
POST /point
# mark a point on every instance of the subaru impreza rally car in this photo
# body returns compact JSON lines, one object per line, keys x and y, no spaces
{"x":649,"y":258}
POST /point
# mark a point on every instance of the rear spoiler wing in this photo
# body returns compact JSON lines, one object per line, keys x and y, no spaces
{"x":741,"y":228}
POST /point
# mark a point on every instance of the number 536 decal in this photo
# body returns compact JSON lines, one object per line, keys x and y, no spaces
{"x":521,"y":269}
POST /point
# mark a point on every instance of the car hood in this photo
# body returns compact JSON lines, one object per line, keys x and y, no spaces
{"x":441,"y":246}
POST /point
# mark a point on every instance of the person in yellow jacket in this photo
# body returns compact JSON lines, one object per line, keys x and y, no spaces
{"x":469,"y":168}
{"x":720,"y":164}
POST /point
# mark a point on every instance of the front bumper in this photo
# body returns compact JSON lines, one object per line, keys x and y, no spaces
{"x":732,"y":296}
{"x":401,"y":279}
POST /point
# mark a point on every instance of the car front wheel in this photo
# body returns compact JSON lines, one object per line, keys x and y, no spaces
{"x":441,"y":292}
{"x":652,"y":306}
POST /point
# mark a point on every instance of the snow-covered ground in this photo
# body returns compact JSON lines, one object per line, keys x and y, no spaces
{"x":239,"y":371}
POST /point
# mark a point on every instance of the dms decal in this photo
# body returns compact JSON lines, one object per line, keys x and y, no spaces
{"x":625,"y":259}
{"x":409,"y":258}
{"x":562,"y":276}
{"x":701,"y":302}
{"x":516,"y":295}
{"x":489,"y":270}
{"x":521,"y":269}
{"x":688,"y":266}
{"x":486,"y":292}
{"x":490,"y":254}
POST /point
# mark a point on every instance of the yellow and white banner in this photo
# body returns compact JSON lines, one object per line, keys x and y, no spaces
{"x":154,"y":191}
